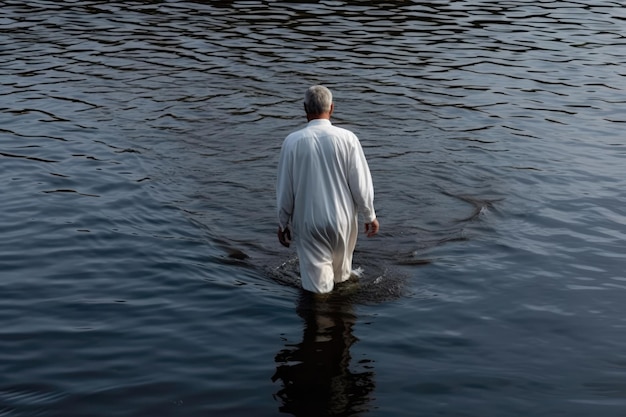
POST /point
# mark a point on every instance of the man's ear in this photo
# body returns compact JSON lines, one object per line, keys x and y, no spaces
{"x":305,"y":110}
{"x":332,"y":107}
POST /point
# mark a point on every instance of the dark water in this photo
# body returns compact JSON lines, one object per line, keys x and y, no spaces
{"x":139,"y":270}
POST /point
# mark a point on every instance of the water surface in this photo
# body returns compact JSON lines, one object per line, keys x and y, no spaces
{"x":139,"y":270}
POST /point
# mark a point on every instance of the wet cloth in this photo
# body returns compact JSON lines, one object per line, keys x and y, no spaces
{"x":323,"y":183}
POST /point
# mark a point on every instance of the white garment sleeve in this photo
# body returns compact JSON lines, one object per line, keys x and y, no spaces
{"x":284,"y":188}
{"x":360,"y":182}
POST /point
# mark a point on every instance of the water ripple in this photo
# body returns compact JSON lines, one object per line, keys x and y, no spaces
{"x":138,"y":154}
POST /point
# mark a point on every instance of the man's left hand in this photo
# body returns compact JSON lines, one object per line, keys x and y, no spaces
{"x":372,"y":228}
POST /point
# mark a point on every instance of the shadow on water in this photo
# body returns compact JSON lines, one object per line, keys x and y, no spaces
{"x":316,"y":375}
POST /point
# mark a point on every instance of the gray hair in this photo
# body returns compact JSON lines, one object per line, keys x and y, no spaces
{"x":317,"y":99}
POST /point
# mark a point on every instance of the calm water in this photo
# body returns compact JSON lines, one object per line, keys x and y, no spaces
{"x":139,"y":270}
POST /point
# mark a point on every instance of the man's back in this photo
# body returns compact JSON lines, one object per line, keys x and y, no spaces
{"x":320,"y":155}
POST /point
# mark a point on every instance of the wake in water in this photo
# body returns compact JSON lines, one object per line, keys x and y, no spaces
{"x":380,"y":268}
{"x":379,"y":274}
{"x":480,"y":206}
{"x":369,"y":284}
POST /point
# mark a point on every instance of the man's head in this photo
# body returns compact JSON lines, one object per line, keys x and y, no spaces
{"x":318,"y":102}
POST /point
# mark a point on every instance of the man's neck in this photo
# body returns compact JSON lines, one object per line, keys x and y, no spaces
{"x":310,"y":117}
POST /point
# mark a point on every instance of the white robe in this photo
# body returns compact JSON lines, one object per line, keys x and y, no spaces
{"x":323,"y":183}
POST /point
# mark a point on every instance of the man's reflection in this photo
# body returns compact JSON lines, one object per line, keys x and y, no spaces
{"x":315,"y":374}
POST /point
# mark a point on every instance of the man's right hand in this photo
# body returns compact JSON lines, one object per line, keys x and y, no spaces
{"x":284,"y":236}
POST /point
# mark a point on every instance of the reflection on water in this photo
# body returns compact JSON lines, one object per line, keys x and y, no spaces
{"x":317,"y":376}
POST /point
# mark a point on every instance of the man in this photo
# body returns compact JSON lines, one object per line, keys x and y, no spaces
{"x":323,"y":183}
